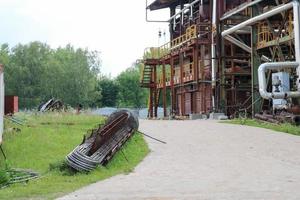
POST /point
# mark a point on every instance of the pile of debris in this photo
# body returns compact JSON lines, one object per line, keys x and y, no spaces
{"x":103,"y":142}
{"x":280,"y":117}
{"x":51,"y":105}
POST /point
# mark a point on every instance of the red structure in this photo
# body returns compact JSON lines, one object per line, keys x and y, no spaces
{"x":11,"y":104}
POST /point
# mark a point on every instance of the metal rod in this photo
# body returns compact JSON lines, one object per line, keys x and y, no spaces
{"x":152,"y":138}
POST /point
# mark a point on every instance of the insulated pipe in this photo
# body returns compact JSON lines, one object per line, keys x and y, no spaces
{"x":297,"y":39}
{"x":213,"y":50}
{"x":263,"y":82}
{"x":185,"y":8}
{"x":213,"y":45}
{"x":263,"y":16}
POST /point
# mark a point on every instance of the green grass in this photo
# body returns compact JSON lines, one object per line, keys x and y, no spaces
{"x":286,"y":127}
{"x":47,"y":139}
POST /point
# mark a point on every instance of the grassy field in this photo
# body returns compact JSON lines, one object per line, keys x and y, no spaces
{"x":46,"y":139}
{"x":286,"y":128}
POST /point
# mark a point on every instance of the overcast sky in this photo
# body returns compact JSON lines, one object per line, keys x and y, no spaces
{"x":117,"y":29}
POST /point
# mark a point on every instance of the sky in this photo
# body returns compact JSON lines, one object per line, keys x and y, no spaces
{"x":117,"y":29}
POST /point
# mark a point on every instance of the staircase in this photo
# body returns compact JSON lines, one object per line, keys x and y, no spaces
{"x":146,"y":77}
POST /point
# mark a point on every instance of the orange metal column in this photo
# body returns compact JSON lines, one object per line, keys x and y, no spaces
{"x":164,"y":90}
{"x":173,"y":105}
{"x":155,"y":91}
{"x":182,"y":93}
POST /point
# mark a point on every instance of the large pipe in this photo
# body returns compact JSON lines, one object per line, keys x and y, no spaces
{"x":263,"y":16}
{"x":283,"y":65}
{"x":297,"y":39}
{"x":263,"y":82}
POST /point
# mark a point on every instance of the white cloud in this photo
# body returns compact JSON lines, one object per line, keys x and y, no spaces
{"x":116,"y":28}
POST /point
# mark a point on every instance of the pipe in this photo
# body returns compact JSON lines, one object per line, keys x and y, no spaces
{"x":263,"y":16}
{"x":239,"y":9}
{"x":263,"y":82}
{"x":185,"y":8}
{"x":238,"y":43}
{"x":297,"y":39}
{"x":213,"y":50}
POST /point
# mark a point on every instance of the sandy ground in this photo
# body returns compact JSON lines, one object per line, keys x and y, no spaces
{"x":207,"y":160}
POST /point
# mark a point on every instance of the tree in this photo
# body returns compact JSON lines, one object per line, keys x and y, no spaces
{"x":36,"y":73}
{"x":109,"y":90}
{"x":130,"y":92}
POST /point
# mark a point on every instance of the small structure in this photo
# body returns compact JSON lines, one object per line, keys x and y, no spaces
{"x":11,"y":104}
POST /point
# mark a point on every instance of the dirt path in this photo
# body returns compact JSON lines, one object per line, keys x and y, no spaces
{"x":207,"y":160}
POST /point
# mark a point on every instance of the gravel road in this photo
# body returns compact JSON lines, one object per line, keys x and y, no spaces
{"x":207,"y":160}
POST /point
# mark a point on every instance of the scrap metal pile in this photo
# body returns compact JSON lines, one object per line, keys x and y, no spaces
{"x":103,"y":142}
{"x":51,"y":105}
{"x":280,"y":117}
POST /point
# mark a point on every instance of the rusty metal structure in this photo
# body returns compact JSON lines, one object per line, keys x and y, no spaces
{"x":230,"y":56}
{"x":51,"y":105}
{"x":103,"y":142}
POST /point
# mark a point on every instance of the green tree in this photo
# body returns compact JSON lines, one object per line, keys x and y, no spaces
{"x":130,"y":92}
{"x":109,"y":90}
{"x":35,"y":73}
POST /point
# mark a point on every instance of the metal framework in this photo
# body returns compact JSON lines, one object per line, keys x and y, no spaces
{"x":216,"y":47}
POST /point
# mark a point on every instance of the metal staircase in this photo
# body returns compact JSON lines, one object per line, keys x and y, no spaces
{"x":146,"y":77}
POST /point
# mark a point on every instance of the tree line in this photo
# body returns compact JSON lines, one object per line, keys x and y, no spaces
{"x":35,"y":72}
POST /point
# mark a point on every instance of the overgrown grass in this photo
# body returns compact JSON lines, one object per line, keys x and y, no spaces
{"x":45,"y":140}
{"x":286,"y":127}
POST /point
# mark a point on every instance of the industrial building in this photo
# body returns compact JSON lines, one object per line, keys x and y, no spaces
{"x":238,"y":57}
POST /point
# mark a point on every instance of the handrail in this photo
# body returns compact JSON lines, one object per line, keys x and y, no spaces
{"x":158,"y":52}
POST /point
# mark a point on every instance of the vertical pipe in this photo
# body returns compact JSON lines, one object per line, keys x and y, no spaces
{"x":213,"y":50}
{"x":164,"y":90}
{"x":297,"y":38}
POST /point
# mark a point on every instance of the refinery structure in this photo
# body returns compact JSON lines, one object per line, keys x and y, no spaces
{"x":238,"y":57}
